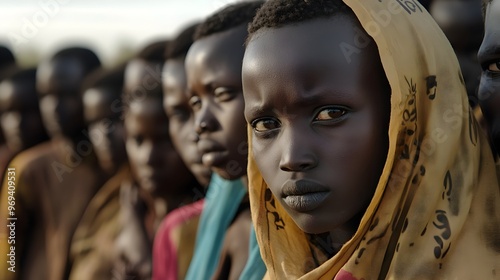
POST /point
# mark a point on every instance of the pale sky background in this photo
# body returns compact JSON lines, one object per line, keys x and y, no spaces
{"x":40,"y":27}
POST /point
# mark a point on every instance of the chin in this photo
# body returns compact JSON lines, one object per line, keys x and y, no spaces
{"x":309,"y":224}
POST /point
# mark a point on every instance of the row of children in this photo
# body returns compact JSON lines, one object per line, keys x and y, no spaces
{"x":342,"y":146}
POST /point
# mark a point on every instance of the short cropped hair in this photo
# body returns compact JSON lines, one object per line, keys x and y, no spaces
{"x":228,"y":17}
{"x":87,"y":58}
{"x":179,"y":46}
{"x":153,"y":52}
{"x":279,"y":13}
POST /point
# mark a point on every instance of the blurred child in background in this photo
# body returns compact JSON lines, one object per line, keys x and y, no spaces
{"x":7,"y":61}
{"x":20,"y":119}
{"x":54,"y":180}
{"x":93,"y":252}
{"x":175,"y":239}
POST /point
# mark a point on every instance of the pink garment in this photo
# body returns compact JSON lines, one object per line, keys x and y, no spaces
{"x":165,"y":255}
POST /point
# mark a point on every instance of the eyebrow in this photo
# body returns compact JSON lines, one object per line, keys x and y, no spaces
{"x":313,"y":98}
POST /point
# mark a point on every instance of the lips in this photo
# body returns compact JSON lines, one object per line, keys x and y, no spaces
{"x":304,"y":195}
{"x":213,"y":154}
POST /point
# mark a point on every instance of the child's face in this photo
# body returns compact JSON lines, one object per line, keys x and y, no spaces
{"x":155,"y":163}
{"x":181,"y":121}
{"x":19,"y":116}
{"x":213,"y":68}
{"x":489,"y":57}
{"x":58,"y":84}
{"x":105,"y":127}
{"x":320,"y":123}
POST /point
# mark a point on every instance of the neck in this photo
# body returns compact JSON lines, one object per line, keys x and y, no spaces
{"x":341,"y":235}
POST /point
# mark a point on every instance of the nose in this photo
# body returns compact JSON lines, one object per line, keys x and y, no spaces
{"x":204,"y":120}
{"x":297,"y":153}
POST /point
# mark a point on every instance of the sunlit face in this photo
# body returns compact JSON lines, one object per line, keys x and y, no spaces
{"x":155,"y":163}
{"x":58,"y":84}
{"x":213,"y":68}
{"x":105,"y":127}
{"x":181,"y":121}
{"x":319,"y":122}
{"x":489,"y":57}
{"x":20,"y":116}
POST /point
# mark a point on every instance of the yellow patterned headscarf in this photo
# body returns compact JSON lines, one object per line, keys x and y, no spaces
{"x":436,"y":211}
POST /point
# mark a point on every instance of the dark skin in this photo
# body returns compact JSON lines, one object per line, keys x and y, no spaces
{"x":457,"y":18}
{"x":105,"y":127}
{"x":213,"y":69}
{"x":58,"y":84}
{"x":489,"y":57}
{"x":148,"y":144}
{"x":319,"y":123}
{"x":57,"y":203}
{"x":156,"y":167}
{"x":181,"y":121}
{"x":20,"y":116}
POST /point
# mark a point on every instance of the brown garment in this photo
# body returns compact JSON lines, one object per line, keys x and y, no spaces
{"x":93,"y":249}
{"x":53,"y":187}
{"x":102,"y":242}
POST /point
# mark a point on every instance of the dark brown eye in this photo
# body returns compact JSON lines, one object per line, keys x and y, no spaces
{"x":263,"y":125}
{"x":330,"y":114}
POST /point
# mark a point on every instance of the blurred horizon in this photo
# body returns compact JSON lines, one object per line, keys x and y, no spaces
{"x":34,"y":29}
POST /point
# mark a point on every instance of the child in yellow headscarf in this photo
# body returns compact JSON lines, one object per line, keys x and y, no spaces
{"x":365,"y":159}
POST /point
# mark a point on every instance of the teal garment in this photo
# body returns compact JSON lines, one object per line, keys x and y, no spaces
{"x":255,"y":267}
{"x":221,"y":204}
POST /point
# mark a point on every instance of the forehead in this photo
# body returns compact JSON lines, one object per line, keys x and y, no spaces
{"x":174,"y":73}
{"x":220,"y":53}
{"x":59,"y":76}
{"x":492,"y":21}
{"x":310,"y":52}
{"x":490,"y":47}
{"x":145,"y":115}
{"x":141,"y":73}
